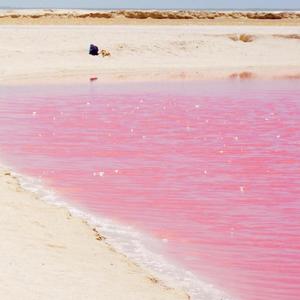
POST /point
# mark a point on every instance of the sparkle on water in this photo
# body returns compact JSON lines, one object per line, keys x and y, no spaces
{"x":209,"y":168}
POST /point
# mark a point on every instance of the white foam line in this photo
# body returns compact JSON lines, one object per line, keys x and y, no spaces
{"x":130,"y":242}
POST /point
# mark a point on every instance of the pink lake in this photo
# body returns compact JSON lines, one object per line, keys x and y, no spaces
{"x":210,"y":169}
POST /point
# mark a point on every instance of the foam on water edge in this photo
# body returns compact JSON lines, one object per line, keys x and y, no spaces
{"x":130,"y":242}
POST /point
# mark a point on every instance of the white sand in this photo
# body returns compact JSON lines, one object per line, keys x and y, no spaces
{"x":45,"y":253}
{"x":49,"y":53}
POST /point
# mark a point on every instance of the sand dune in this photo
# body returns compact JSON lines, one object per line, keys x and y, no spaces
{"x":121,"y":16}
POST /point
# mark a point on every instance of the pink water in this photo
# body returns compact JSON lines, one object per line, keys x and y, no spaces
{"x":213,"y":168}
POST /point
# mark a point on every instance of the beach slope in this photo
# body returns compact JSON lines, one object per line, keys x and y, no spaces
{"x":46,"y":253}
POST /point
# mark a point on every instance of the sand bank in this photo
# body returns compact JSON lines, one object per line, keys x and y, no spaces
{"x":48,"y":53}
{"x":48,"y":253}
{"x":149,"y":17}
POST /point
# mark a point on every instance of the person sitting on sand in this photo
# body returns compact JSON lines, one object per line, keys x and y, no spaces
{"x":94,"y":50}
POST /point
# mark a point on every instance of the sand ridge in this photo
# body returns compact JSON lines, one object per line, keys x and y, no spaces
{"x":59,"y":16}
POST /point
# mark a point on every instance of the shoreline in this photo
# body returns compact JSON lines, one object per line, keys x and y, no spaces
{"x":50,"y":239}
{"x":154,"y":276}
{"x":272,"y":73}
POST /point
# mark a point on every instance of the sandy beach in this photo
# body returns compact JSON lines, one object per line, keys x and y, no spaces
{"x":54,"y":52}
{"x":45,"y":251}
{"x":48,"y":253}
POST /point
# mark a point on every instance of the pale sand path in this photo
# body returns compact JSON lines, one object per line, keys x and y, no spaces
{"x":45,"y":253}
{"x":50,"y":53}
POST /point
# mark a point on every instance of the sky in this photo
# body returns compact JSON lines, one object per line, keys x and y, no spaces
{"x":217,"y":4}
